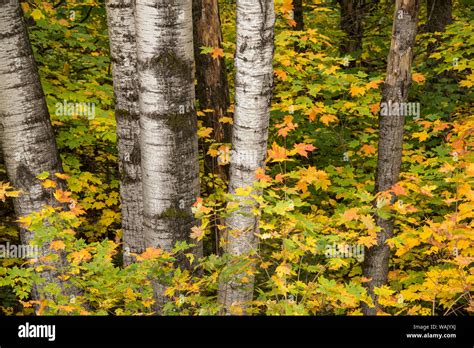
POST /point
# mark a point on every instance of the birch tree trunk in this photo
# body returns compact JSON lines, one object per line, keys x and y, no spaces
{"x":396,"y":87}
{"x":26,"y":135}
{"x":253,"y":93}
{"x":123,"y":50}
{"x":168,"y":125}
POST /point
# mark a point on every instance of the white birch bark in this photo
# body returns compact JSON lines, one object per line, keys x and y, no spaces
{"x":27,"y":138}
{"x":123,"y":51}
{"x":168,"y":124}
{"x":253,"y":93}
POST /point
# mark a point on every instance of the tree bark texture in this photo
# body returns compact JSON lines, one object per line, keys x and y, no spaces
{"x":212,"y":90}
{"x":123,"y":51}
{"x":396,"y":87}
{"x":253,"y":86}
{"x":352,"y":15}
{"x":168,"y":125}
{"x":26,"y":135}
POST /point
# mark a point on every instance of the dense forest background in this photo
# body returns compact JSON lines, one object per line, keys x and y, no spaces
{"x":319,"y":224}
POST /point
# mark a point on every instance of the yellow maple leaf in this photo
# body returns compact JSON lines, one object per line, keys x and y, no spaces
{"x":80,"y":256}
{"x":421,"y":135}
{"x":287,"y":6}
{"x":62,"y":176}
{"x":226,"y":119}
{"x":327,"y":118}
{"x":37,"y":14}
{"x":243,"y":192}
{"x":356,"y":90}
{"x":57,"y":245}
{"x":25,"y":221}
{"x":204,"y":132}
{"x":277,"y":153}
{"x":283,"y":269}
{"x":213,"y":152}
{"x":49,"y":184}
{"x":25,"y":7}
{"x":62,"y":196}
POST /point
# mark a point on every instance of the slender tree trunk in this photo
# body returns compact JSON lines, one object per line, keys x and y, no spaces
{"x":121,"y":25}
{"x":168,"y":124}
{"x":352,"y":14}
{"x":212,"y":89}
{"x":439,"y":15}
{"x":27,"y":138}
{"x":253,"y":93}
{"x":298,"y":14}
{"x":395,"y":90}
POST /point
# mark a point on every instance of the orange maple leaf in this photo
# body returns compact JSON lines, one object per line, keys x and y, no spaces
{"x":277,"y":153}
{"x":302,"y":149}
{"x":368,"y":149}
{"x":326,"y":119}
{"x":350,"y":214}
{"x":57,"y":245}
{"x":217,"y":52}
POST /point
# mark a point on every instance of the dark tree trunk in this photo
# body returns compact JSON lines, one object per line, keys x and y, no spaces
{"x":352,"y":13}
{"x":298,"y":14}
{"x":212,"y":90}
{"x":439,"y":15}
{"x":395,"y":90}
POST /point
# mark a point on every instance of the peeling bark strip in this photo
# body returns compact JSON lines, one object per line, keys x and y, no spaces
{"x":253,"y":92}
{"x":123,"y":50}
{"x":168,"y":125}
{"x":27,"y":138}
{"x":397,"y":84}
